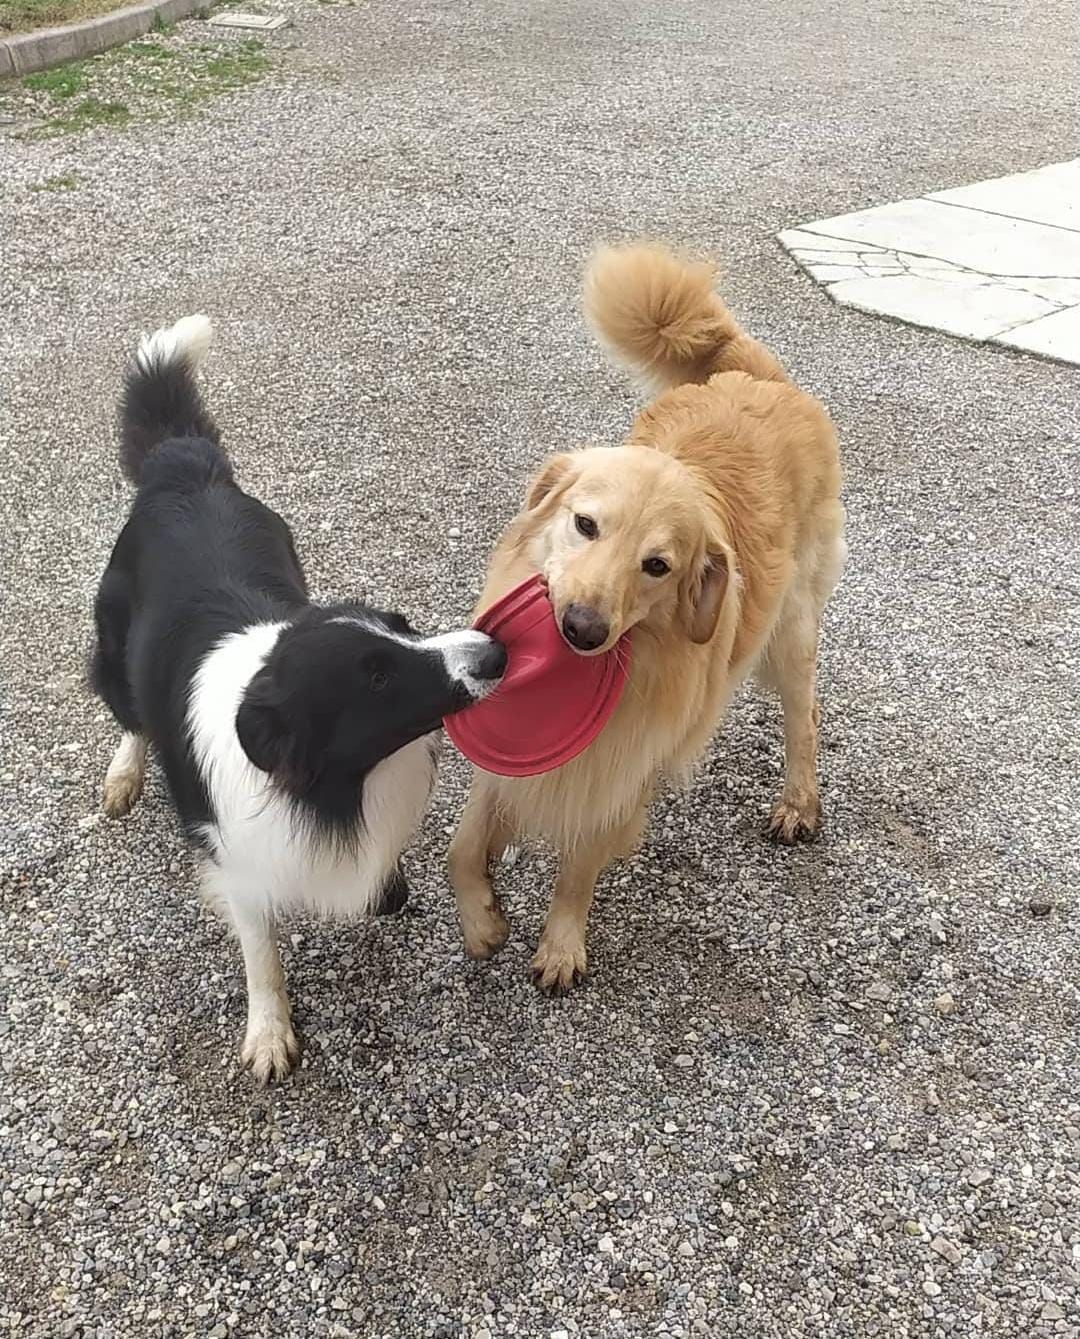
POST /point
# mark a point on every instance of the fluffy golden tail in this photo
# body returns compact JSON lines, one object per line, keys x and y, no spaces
{"x":663,"y":318}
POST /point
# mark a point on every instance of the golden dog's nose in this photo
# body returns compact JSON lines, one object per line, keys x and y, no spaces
{"x":584,"y":628}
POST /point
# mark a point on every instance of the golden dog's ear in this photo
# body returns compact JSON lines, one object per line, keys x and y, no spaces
{"x":554,"y":476}
{"x":701,"y":597}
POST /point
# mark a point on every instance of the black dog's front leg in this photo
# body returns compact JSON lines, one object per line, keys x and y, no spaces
{"x":394,"y":895}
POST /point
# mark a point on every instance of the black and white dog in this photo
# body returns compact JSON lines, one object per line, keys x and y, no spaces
{"x":297,"y":740}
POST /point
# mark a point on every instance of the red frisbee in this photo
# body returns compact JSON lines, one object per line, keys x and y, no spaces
{"x":551,"y":703}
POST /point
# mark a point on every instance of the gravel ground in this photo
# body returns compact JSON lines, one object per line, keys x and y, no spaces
{"x":826,"y":1092}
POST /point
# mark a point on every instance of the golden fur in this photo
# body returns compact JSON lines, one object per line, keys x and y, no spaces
{"x":731,"y":478}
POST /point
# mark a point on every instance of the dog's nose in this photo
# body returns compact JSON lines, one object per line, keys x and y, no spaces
{"x":584,"y":628}
{"x":491,"y":663}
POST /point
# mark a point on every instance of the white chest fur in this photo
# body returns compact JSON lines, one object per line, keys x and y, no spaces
{"x":259,"y":843}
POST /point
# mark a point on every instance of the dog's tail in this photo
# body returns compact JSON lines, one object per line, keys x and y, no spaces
{"x":160,"y":399}
{"x":663,"y":318}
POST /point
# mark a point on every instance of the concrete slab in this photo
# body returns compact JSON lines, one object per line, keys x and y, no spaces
{"x":1047,"y":195}
{"x":1056,"y":336}
{"x":976,"y":261}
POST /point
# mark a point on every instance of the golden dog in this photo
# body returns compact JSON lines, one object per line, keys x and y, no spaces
{"x":716,"y":534}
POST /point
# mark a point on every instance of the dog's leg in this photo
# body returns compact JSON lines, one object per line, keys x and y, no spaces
{"x":394,"y":895}
{"x":561,"y":960}
{"x":481,"y":834}
{"x":792,"y":669}
{"x":270,"y":1045}
{"x":124,"y":778}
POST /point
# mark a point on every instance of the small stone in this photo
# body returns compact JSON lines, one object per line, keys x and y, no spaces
{"x":1040,"y":906}
{"x":686,"y":1250}
{"x":1053,"y":1311}
{"x":880,"y":990}
{"x":683,"y":1061}
{"x":978,"y":1176}
{"x":606,"y":1245}
{"x":945,"y":1004}
{"x":454,"y":532}
{"x":930,"y":1288}
{"x":912,"y":1228}
{"x":33,"y":1196}
{"x":945,"y":1248}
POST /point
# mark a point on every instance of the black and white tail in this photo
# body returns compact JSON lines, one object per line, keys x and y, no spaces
{"x":160,"y":399}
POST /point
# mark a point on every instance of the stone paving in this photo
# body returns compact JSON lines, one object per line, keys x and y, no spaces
{"x":997,"y":261}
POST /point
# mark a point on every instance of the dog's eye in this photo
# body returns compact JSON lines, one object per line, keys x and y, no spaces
{"x":378,"y":681}
{"x":655,"y":567}
{"x":586,"y":526}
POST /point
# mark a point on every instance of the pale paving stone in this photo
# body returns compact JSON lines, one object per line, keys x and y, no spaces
{"x":1056,"y":336}
{"x":830,"y":274}
{"x":1046,"y":195}
{"x":1064,"y":291}
{"x":980,"y":311}
{"x":795,"y":239}
{"x":985,"y":242}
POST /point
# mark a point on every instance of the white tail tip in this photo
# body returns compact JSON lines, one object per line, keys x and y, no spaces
{"x":187,"y":341}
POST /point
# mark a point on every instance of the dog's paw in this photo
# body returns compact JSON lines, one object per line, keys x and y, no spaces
{"x":270,"y":1047}
{"x":794,"y":822}
{"x":560,"y":963}
{"x":485,"y":932}
{"x":120,"y":791}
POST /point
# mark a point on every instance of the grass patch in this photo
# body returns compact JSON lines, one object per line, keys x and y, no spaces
{"x":62,"y":82}
{"x":86,"y":114}
{"x":245,"y":62}
{"x":145,"y":79}
{"x":69,"y":182}
{"x":22,"y":16}
{"x":152,"y":51}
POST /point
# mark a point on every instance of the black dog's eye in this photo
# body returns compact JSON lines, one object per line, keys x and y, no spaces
{"x":378,"y":681}
{"x":655,"y":567}
{"x":586,"y":526}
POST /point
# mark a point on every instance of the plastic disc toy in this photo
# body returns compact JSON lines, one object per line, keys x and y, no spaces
{"x":551,"y":703}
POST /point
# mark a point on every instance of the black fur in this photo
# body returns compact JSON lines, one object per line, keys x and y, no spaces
{"x":199,"y":559}
{"x":160,"y":399}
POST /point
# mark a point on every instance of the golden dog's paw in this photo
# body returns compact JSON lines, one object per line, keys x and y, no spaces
{"x":559,"y":964}
{"x":120,"y":792}
{"x":485,"y":933}
{"x":794,"y":822}
{"x":270,"y":1048}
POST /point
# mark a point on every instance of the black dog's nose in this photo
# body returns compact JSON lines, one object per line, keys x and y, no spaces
{"x":492,"y":661}
{"x":584,"y":628}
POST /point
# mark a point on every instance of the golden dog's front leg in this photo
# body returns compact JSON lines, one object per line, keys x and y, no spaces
{"x":792,"y":668}
{"x":482,"y":834}
{"x":561,"y":960}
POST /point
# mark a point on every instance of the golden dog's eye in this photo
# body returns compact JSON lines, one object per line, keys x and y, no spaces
{"x":586,"y":526}
{"x":655,"y":567}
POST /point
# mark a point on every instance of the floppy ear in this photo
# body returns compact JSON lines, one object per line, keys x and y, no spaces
{"x":555,"y":475}
{"x":260,"y":726}
{"x":701,"y":597}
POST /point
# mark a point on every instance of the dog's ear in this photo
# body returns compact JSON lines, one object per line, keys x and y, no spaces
{"x":701,"y":597}
{"x":260,"y":726}
{"x":554,"y":477}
